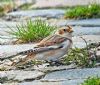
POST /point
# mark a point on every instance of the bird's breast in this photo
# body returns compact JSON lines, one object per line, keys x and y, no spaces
{"x":51,"y":55}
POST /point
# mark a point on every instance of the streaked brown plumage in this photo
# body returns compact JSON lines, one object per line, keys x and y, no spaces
{"x":51,"y":48}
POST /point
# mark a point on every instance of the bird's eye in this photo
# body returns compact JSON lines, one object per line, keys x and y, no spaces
{"x":64,"y":30}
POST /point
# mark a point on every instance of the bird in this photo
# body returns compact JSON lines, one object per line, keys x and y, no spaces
{"x":52,"y":48}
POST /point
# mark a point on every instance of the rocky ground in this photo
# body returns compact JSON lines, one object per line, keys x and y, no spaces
{"x":43,"y":74}
{"x":61,"y":3}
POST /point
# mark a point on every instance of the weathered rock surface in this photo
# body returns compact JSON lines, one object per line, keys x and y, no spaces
{"x":61,"y":3}
{"x":86,"y":22}
{"x":68,"y":82}
{"x":7,"y":50}
{"x":80,"y":43}
{"x":83,"y":22}
{"x":21,"y":75}
{"x":47,"y":13}
{"x":79,"y":31}
{"x":7,"y":24}
{"x":64,"y":77}
{"x":72,"y":74}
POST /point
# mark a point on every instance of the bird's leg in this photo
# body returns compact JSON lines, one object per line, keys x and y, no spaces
{"x":55,"y":63}
{"x":58,"y":63}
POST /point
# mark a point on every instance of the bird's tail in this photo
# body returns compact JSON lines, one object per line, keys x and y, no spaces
{"x":35,"y":51}
{"x":20,"y":53}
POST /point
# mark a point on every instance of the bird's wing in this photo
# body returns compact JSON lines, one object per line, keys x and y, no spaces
{"x":51,"y":40}
{"x":41,"y":49}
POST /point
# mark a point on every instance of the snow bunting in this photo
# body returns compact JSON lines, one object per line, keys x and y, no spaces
{"x":51,"y":48}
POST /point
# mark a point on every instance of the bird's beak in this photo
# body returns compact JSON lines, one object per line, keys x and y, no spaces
{"x":71,"y":30}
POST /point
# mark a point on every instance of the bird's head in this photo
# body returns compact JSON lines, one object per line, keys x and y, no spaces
{"x":65,"y":31}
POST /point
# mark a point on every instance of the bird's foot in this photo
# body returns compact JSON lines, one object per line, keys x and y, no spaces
{"x":55,"y":63}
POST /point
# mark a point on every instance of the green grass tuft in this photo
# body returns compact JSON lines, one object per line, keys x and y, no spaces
{"x":1,"y":11}
{"x":81,"y":12}
{"x":80,"y":57}
{"x":3,"y":79}
{"x":32,"y":31}
{"x":92,"y":81}
{"x":25,"y":6}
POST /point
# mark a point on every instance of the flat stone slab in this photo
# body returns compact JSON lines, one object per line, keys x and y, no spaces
{"x":72,"y":74}
{"x":80,"y":43}
{"x":61,"y":3}
{"x":20,"y":75}
{"x":7,"y":50}
{"x":52,"y":13}
{"x":88,"y":38}
{"x":83,"y":22}
{"x":6,"y":24}
{"x":49,"y":13}
{"x":86,"y":22}
{"x":67,"y":82}
{"x":79,"y":31}
{"x":64,"y":77}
